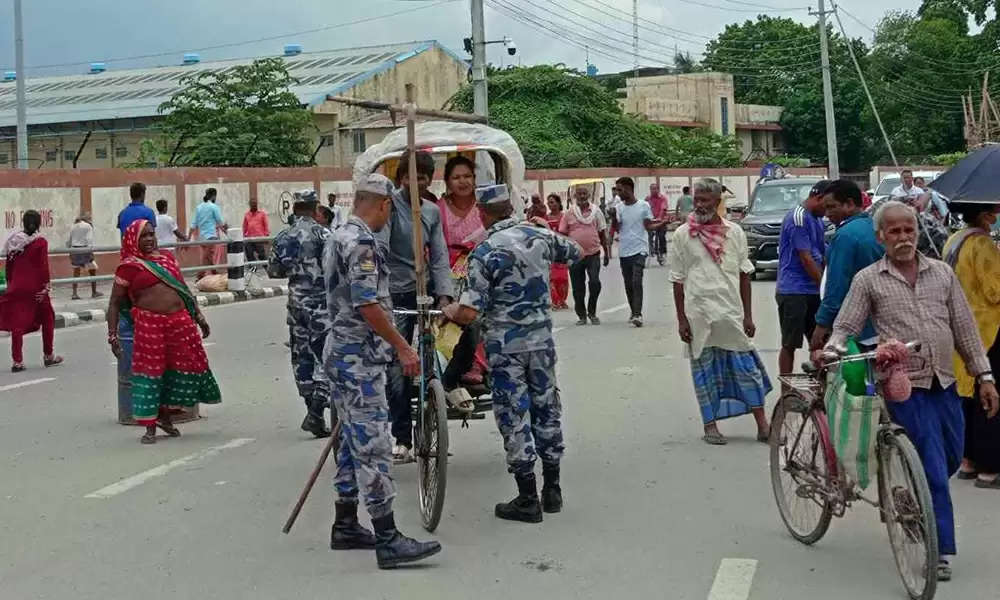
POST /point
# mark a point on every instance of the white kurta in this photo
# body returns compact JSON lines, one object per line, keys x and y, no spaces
{"x":712,"y":290}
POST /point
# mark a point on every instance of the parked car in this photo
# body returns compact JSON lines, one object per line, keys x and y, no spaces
{"x":770,"y":202}
{"x":892,"y":181}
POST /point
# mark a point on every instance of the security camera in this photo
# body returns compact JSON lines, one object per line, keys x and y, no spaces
{"x":511,"y":47}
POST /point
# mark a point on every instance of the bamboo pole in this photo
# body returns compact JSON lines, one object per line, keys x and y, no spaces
{"x":415,"y":200}
{"x":395,"y":108}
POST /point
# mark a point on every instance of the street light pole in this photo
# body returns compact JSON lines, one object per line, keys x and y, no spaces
{"x":831,"y":125}
{"x":480,"y":94}
{"x":22,"y":119}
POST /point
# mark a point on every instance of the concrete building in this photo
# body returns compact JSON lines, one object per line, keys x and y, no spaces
{"x":99,"y":119}
{"x":705,"y":100}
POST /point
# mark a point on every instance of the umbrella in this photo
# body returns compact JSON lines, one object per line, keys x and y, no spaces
{"x":975,"y":179}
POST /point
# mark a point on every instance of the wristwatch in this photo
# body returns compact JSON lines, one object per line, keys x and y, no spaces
{"x":986,"y":377}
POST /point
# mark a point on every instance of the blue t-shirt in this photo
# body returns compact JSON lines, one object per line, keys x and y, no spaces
{"x":800,"y":230}
{"x":207,"y":218}
{"x":133,"y":212}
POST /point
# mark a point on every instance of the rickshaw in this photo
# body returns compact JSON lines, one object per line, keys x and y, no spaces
{"x":597,"y":189}
{"x":498,"y":160}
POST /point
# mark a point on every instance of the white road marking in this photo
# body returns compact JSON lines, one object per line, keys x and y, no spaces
{"x":207,"y":344}
{"x":733,"y":579}
{"x":613,"y":309}
{"x":22,"y":384}
{"x":140,"y":478}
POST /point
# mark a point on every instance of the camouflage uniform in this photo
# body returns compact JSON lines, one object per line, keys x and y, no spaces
{"x":299,"y":251}
{"x":355,"y":357}
{"x":509,"y":286}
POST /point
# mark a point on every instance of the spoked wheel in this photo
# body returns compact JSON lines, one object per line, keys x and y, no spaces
{"x":801,"y":472}
{"x":909,"y":514}
{"x":432,"y":455}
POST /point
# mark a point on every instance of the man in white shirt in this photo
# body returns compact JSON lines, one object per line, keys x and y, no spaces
{"x":82,"y":236}
{"x":167,"y":231}
{"x":907,"y":191}
{"x":633,"y":219}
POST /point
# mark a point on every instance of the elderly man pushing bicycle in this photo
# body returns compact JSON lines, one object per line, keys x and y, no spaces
{"x":909,"y":296}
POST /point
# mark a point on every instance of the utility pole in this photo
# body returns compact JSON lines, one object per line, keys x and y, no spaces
{"x":22,"y":119}
{"x":480,"y":94}
{"x":635,"y":38}
{"x":831,"y":126}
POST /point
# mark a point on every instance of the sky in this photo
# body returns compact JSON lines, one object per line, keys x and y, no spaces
{"x":69,"y":34}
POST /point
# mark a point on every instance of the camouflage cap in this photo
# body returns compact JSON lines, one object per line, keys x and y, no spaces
{"x":305,"y":197}
{"x":492,"y":194}
{"x":375,"y":183}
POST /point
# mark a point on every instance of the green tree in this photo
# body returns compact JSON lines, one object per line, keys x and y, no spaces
{"x":244,"y":116}
{"x":562,"y":119}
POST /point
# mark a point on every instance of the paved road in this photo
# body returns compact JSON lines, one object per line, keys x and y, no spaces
{"x":651,"y":512}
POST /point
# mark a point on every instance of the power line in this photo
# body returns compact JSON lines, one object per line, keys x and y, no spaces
{"x":749,"y":10}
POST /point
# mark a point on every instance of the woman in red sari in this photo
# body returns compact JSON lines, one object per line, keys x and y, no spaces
{"x":25,"y":306}
{"x":169,"y":365}
{"x":559,"y":275}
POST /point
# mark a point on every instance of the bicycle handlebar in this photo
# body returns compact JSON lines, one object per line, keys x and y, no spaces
{"x":409,"y":312}
{"x":836,"y":357}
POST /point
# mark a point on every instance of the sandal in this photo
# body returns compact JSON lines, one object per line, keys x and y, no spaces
{"x":169,"y":429}
{"x":461,"y":400}
{"x":943,"y":570}
{"x":17,"y":367}
{"x":149,"y":438}
{"x":967,"y":475}
{"x":992,"y":484}
{"x":715,"y":439}
{"x":402,"y":455}
{"x":52,"y":361}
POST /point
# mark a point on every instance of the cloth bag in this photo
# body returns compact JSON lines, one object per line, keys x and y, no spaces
{"x":853,"y":421}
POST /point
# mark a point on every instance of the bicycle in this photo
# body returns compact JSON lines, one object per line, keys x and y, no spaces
{"x":811,"y":487}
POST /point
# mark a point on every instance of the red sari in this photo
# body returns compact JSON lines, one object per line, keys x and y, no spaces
{"x":22,"y":309}
{"x":559,"y":274}
{"x":169,"y":364}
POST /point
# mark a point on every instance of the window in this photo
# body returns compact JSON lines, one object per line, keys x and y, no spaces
{"x":69,"y":155}
{"x":359,"y":141}
{"x":121,"y":151}
{"x":51,"y":155}
{"x":725,"y":116}
{"x":4,"y":158}
{"x":327,"y":141}
{"x":100,"y":152}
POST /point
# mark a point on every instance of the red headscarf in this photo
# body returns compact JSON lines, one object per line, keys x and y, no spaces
{"x":132,"y":254}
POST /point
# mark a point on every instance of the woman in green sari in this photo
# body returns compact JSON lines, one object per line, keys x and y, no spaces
{"x":169,"y":365}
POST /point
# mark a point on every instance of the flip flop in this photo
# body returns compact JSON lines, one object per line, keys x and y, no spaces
{"x":715,"y":439}
{"x":169,"y":429}
{"x":943,"y":570}
{"x":967,"y":475}
{"x":147,"y":439}
{"x":993,"y":484}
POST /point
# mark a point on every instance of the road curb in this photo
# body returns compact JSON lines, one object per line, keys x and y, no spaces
{"x":72,"y":319}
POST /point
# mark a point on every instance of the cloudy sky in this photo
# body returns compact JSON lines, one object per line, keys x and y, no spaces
{"x":63,"y":36}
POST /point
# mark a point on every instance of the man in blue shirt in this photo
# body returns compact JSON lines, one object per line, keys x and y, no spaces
{"x":852,"y":248}
{"x":800,"y":271}
{"x":136,"y":210}
{"x":208,"y":220}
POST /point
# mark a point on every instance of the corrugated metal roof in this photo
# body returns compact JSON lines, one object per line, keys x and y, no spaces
{"x":138,"y":92}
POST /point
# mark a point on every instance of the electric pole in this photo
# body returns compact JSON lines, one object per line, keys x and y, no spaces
{"x":831,"y":126}
{"x":480,"y":94}
{"x":22,"y":119}
{"x":635,"y":38}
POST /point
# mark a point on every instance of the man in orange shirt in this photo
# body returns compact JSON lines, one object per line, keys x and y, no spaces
{"x":255,"y":225}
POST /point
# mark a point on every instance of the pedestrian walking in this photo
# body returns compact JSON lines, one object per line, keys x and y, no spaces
{"x":397,"y":236}
{"x":169,"y":365}
{"x":167,"y":231}
{"x":585,"y":224}
{"x":26,"y":305}
{"x":358,"y":351}
{"x":299,"y":252}
{"x":659,"y":205}
{"x":207,"y":223}
{"x":508,"y":287}
{"x":685,"y":204}
{"x":909,"y":297}
{"x":853,"y":247}
{"x":559,"y":277}
{"x":81,"y":237}
{"x":136,"y":209}
{"x":339,"y":212}
{"x":976,"y":261}
{"x":256,"y":225}
{"x":710,"y":270}
{"x":634,"y":220}
{"x":801,"y":248}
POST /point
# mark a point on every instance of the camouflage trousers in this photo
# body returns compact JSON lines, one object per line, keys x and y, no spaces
{"x":307,"y":335}
{"x":365,"y":453}
{"x":527,"y":408}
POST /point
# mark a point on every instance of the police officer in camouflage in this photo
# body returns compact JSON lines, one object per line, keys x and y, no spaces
{"x":509,"y":287}
{"x":357,"y":352}
{"x":299,"y":251}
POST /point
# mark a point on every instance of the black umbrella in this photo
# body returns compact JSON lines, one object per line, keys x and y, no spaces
{"x":975,"y":179}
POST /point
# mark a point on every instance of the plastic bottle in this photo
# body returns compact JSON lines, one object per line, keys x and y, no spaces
{"x":854,"y":372}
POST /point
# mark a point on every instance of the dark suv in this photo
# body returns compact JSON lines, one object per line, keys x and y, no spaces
{"x":770,"y":202}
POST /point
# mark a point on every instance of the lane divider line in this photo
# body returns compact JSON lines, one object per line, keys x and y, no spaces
{"x":138,"y":479}
{"x":733,"y":579}
{"x":22,"y":384}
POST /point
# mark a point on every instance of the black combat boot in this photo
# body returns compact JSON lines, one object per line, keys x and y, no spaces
{"x":347,"y":533}
{"x":392,"y":548}
{"x":551,"y":492}
{"x":525,"y":507}
{"x":316,"y":426}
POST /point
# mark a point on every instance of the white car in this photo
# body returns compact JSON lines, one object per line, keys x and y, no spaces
{"x":891,"y":182}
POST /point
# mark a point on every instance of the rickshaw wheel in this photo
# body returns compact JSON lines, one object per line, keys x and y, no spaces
{"x":432,"y":455}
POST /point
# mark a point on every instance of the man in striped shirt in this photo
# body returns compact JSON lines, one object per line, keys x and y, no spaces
{"x":800,"y":270}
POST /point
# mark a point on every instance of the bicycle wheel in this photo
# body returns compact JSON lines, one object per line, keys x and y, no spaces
{"x":801,"y":475}
{"x":432,"y":455}
{"x":909,"y":514}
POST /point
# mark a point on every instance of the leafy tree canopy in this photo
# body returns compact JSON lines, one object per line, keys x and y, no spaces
{"x":561,"y":119}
